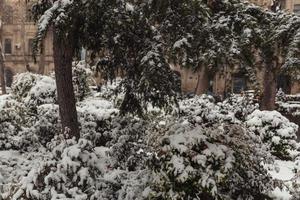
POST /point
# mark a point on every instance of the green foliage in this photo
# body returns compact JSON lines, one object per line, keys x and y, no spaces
{"x":217,"y":162}
{"x":120,"y":30}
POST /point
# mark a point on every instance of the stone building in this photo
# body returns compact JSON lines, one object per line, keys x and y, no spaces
{"x":17,"y":33}
{"x":234,"y":81}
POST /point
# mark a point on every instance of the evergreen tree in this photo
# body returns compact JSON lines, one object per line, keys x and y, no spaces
{"x":222,"y":35}
{"x":117,"y":28}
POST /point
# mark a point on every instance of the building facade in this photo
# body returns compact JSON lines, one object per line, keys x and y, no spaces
{"x":234,"y":80}
{"x":17,"y":34}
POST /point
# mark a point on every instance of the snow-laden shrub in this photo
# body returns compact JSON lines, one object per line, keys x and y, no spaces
{"x":81,"y":80}
{"x":204,"y":109}
{"x":22,"y":84}
{"x":275,"y":130}
{"x":14,"y":117}
{"x":220,"y":162}
{"x":240,"y":106}
{"x":95,"y":117}
{"x":34,"y":89}
{"x":112,"y":91}
{"x":128,"y":143}
{"x":79,"y":170}
{"x":47,"y":125}
{"x":280,"y":96}
{"x":71,"y":171}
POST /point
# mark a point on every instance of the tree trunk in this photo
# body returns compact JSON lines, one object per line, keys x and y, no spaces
{"x":203,"y":81}
{"x":2,"y":72}
{"x":63,"y":57}
{"x":41,"y":69}
{"x":268,"y":96}
{"x":23,"y":36}
{"x":2,"y":66}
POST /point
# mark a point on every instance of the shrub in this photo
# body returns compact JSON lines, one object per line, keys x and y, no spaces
{"x":95,"y":117}
{"x":81,"y":80}
{"x":14,"y":118}
{"x":34,"y":89}
{"x":70,"y":172}
{"x":274,"y":130}
{"x":209,"y":163}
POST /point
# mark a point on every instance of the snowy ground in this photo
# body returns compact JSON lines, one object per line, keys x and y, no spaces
{"x":287,"y":171}
{"x":14,"y":166}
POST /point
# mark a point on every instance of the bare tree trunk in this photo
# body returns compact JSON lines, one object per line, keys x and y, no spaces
{"x":2,"y":72}
{"x":41,"y":69}
{"x":2,"y":66}
{"x":203,"y":81}
{"x":23,"y":42}
{"x":268,"y":96}
{"x":63,"y":56}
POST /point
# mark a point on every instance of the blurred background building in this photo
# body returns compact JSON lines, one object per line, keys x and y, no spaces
{"x":17,"y":31}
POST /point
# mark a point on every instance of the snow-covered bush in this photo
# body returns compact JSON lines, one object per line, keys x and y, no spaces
{"x":95,"y":117}
{"x":14,"y":117}
{"x":79,"y":170}
{"x":71,"y":171}
{"x":280,"y":96}
{"x":275,"y":130}
{"x":34,"y":89}
{"x":81,"y":80}
{"x":220,"y":162}
{"x":204,"y":109}
{"x":46,"y":125}
{"x":22,"y":84}
{"x":240,"y":106}
{"x":128,"y":143}
{"x":112,"y":91}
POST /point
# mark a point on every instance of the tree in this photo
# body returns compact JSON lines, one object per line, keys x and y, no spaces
{"x":2,"y":66}
{"x":281,"y":53}
{"x":2,"y":70}
{"x":64,"y":43}
{"x":209,"y":36}
{"x":118,"y":28}
{"x":215,"y":36}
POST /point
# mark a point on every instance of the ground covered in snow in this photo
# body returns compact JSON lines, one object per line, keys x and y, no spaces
{"x":202,"y":149}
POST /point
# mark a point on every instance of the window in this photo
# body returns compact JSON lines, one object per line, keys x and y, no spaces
{"x":7,"y":46}
{"x":297,"y":9}
{"x":30,"y":46}
{"x":284,"y":83}
{"x":238,"y":84}
{"x":278,"y":5}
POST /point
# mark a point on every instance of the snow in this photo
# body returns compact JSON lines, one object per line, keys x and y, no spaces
{"x":180,"y":43}
{"x":129,"y":7}
{"x":3,"y":100}
{"x":279,"y":194}
{"x":283,"y":170}
{"x":101,"y":108}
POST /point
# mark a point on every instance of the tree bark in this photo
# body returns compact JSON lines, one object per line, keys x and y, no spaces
{"x":41,"y":69}
{"x":2,"y":66}
{"x":63,"y":57}
{"x":203,"y":81}
{"x":23,"y":36}
{"x":2,"y":72}
{"x":268,"y":95}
